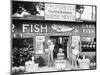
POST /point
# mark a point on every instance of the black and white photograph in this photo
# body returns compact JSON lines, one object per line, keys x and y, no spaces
{"x":52,"y":37}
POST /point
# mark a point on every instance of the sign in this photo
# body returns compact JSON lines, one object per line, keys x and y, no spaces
{"x":59,"y":12}
{"x":88,"y":31}
{"x":61,"y":28}
{"x":86,"y":39}
{"x":88,"y":28}
{"x":75,"y":40}
{"x":39,"y":44}
{"x":34,"y":28}
{"x":30,"y":66}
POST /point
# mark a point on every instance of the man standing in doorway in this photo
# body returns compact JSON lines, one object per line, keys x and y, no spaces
{"x":50,"y":53}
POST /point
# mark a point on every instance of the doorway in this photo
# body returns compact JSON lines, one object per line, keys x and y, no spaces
{"x":60,"y":42}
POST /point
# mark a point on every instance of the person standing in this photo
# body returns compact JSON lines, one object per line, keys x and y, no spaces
{"x":50,"y":53}
{"x":75,"y":53}
{"x":60,"y":54}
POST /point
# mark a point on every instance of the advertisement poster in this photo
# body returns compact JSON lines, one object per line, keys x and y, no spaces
{"x":59,"y":12}
{"x":39,"y":44}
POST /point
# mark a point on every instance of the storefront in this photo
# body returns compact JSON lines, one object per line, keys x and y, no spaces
{"x":72,"y":35}
{"x":63,"y":35}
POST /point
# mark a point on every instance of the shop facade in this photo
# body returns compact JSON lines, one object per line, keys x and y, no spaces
{"x":71,"y":29}
{"x":63,"y":34}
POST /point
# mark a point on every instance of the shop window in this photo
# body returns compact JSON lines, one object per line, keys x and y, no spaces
{"x":88,"y":44}
{"x":22,"y":49}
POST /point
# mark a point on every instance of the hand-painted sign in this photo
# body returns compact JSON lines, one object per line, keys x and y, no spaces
{"x":59,"y":12}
